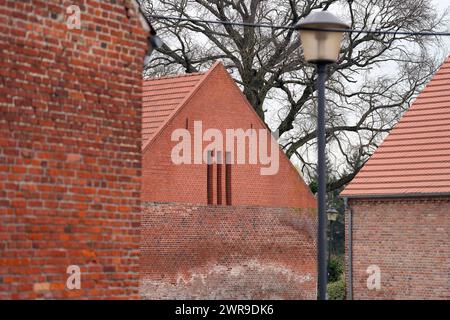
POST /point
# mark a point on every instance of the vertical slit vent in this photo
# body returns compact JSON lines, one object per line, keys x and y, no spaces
{"x":219,"y":176}
{"x":228,"y":178}
{"x":209,"y":178}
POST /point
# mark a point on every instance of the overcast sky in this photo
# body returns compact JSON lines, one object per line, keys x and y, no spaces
{"x":442,"y":5}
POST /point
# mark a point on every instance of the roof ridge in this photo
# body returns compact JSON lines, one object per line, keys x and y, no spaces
{"x":171,"y":76}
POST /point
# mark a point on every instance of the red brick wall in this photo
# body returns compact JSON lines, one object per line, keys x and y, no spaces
{"x":70,"y":164}
{"x":218,"y":104}
{"x":409,"y":240}
{"x":227,"y":252}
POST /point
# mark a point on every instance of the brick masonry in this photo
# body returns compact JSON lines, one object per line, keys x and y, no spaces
{"x":409,"y":240}
{"x":70,"y":160}
{"x":218,"y":103}
{"x":227,"y":252}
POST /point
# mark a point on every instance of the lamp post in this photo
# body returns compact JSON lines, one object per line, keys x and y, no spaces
{"x":321,"y":44}
{"x":332,"y":215}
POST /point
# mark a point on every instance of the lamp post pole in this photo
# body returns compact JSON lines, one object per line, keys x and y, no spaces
{"x":321,"y":177}
{"x":321,"y":46}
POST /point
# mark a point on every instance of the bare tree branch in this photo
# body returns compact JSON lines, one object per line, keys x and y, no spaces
{"x":374,"y":81}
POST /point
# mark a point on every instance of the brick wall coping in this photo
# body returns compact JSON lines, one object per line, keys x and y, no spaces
{"x":146,"y":204}
{"x":401,"y":199}
{"x":398,"y":195}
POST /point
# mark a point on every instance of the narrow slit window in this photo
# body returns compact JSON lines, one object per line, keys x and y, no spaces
{"x":209,"y":178}
{"x":228,"y":178}
{"x":219,"y":176}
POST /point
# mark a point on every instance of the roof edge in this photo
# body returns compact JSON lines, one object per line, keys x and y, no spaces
{"x":395,"y":195}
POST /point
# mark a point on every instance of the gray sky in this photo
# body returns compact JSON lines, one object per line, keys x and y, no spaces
{"x":441,"y":6}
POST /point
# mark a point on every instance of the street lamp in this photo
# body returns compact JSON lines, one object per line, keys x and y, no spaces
{"x":332,"y":215}
{"x":321,"y":36}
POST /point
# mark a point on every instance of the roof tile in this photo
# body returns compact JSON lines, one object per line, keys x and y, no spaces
{"x":162,"y":97}
{"x":414,"y":158}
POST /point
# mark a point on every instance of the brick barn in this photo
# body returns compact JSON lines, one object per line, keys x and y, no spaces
{"x":219,"y":228}
{"x":398,"y":214}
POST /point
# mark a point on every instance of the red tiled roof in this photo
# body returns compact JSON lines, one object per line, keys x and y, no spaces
{"x":414,"y":159}
{"x":162,"y":97}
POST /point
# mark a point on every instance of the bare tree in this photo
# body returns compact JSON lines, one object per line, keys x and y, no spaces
{"x":374,"y":81}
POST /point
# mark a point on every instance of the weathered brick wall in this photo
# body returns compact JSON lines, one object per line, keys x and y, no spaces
{"x":227,"y":252}
{"x":70,"y":164}
{"x":409,"y":240}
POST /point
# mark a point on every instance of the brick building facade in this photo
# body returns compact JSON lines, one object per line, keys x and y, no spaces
{"x":398,"y":216}
{"x":219,"y":229}
{"x":70,"y":152}
{"x":408,"y":239}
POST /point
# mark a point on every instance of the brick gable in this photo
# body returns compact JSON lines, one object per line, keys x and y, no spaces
{"x":218,"y":103}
